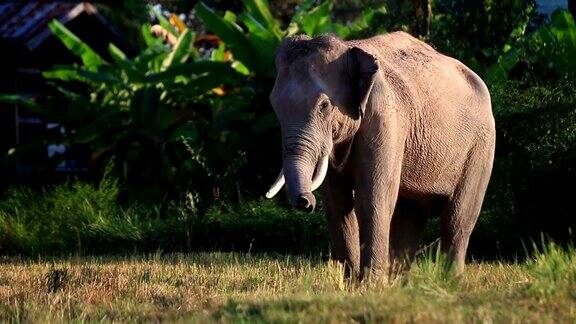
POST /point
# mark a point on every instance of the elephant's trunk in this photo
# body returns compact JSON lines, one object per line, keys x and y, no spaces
{"x":301,"y":183}
{"x":298,"y":173}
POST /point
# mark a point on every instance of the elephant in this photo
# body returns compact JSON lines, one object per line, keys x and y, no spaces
{"x":397,"y":132}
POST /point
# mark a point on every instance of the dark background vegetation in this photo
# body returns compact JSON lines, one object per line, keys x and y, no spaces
{"x":173,"y":164}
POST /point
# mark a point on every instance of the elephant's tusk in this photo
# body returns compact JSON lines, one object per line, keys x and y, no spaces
{"x":320,"y":173}
{"x":317,"y":180}
{"x":278,"y":184}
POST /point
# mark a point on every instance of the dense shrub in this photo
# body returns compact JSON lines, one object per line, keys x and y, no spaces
{"x":532,"y":182}
{"x":531,"y":187}
{"x":477,"y":31}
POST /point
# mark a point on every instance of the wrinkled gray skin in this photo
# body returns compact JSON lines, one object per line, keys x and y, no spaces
{"x":410,"y":134}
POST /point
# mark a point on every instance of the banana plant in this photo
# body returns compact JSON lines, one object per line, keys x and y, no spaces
{"x":552,"y":46}
{"x":556,"y":42}
{"x":138,"y":110}
{"x":254,"y":34}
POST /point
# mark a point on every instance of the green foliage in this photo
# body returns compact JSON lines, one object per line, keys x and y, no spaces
{"x":69,"y":218}
{"x":533,"y":167}
{"x":19,"y":100}
{"x":243,"y":47}
{"x":158,"y":117}
{"x":546,"y":54}
{"x":478,"y":32}
{"x":554,"y":46}
{"x":434,"y":268}
{"x":553,"y":266}
{"x":254,"y":34}
{"x":142,"y":108}
{"x":83,"y":218}
{"x":90,"y":58}
{"x":485,"y":36}
{"x":165,"y":23}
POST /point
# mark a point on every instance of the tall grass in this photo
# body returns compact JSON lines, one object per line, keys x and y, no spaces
{"x":552,"y":267}
{"x":74,"y":218}
{"x":83,"y":218}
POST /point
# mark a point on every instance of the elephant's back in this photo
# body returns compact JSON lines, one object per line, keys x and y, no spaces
{"x":428,"y":78}
{"x":446,"y":106}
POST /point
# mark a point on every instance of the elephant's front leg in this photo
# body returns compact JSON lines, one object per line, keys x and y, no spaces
{"x":376,"y":193}
{"x":342,"y":223}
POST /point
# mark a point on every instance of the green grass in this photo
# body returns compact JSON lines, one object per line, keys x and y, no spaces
{"x":81,"y":218}
{"x":246,"y":288}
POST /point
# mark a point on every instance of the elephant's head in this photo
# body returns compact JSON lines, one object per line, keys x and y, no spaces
{"x":319,"y":97}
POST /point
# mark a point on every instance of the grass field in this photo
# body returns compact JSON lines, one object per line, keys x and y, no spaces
{"x":246,"y":288}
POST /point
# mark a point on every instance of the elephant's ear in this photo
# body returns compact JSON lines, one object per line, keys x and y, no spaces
{"x":362,"y":68}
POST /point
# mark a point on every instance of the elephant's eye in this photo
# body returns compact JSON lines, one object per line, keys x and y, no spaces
{"x":325,"y":107}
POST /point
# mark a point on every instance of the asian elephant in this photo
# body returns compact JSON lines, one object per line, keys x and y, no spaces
{"x":398,"y":133}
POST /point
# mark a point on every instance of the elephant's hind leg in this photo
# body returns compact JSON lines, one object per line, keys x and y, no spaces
{"x":408,"y":222}
{"x":460,"y":215}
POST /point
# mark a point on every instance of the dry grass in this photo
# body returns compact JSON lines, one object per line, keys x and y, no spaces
{"x":240,"y":288}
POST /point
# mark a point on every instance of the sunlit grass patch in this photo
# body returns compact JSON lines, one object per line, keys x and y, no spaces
{"x":230,"y":287}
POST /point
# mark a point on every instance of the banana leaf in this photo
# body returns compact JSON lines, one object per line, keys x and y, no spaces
{"x":564,"y":29}
{"x":221,"y":72}
{"x":301,"y":12}
{"x":76,"y":73}
{"x":64,"y":73}
{"x":100,"y":126}
{"x":89,"y":57}
{"x":233,"y":36}
{"x":19,"y":100}
{"x":149,"y":39}
{"x":563,"y":20}
{"x":230,"y":16}
{"x":181,"y":50}
{"x":356,"y":28}
{"x":261,"y":38}
{"x":151,"y":58}
{"x":77,"y":108}
{"x":218,"y":54}
{"x":124,"y":63}
{"x":165,"y":23}
{"x":317,"y":21}
{"x":98,"y":77}
{"x":259,"y":10}
{"x":498,"y":72}
{"x":202,"y":85}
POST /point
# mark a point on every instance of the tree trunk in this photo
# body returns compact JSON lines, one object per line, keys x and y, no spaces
{"x":422,"y":13}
